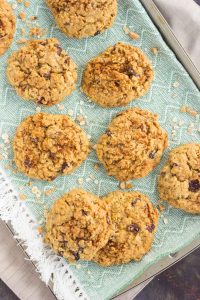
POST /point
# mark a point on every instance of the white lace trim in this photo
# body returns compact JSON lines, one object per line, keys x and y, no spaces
{"x":50,"y":266}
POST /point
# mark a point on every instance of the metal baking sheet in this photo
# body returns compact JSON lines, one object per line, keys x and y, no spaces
{"x":183,"y":57}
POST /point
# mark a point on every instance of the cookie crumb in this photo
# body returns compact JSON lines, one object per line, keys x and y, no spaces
{"x":129,"y":185}
{"x":189,"y":110}
{"x":126,"y":30}
{"x":22,"y":16}
{"x":60,"y":106}
{"x":21,"y":41}
{"x":40,"y":230}
{"x":96,"y":167}
{"x":154,"y":50}
{"x":133,"y":35}
{"x":22,"y":197}
{"x":49,"y":191}
{"x":20,"y":1}
{"x":27,"y":4}
{"x":23,"y":31}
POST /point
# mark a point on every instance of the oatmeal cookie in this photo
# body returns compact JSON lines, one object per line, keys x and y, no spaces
{"x":42,"y":72}
{"x":117,"y":76}
{"x":7,"y":26}
{"x":78,"y":225}
{"x":83,"y":18}
{"x":46,"y":146}
{"x":134,"y":222}
{"x":179,"y":181}
{"x":132,"y":145}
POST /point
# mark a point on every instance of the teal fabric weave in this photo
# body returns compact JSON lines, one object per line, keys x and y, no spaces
{"x":164,"y":98}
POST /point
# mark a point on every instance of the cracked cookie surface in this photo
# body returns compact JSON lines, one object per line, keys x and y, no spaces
{"x":78,"y":225}
{"x":7,"y":26}
{"x":42,"y":71}
{"x":117,"y":76}
{"x":132,"y":145}
{"x":83,"y":18}
{"x":46,"y":146}
{"x":134,"y":222}
{"x":179,"y":181}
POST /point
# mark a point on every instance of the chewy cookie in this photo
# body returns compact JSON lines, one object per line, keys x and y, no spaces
{"x":42,"y":72}
{"x":117,"y":76}
{"x":179,"y":181}
{"x":132,"y":145}
{"x":7,"y":26}
{"x":78,"y":225}
{"x":134,"y":223}
{"x":83,"y":18}
{"x":46,"y":146}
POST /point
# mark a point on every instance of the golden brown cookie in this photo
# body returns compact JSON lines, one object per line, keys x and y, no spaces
{"x":78,"y":225}
{"x":132,"y":145}
{"x":117,"y":76}
{"x":46,"y":146}
{"x":83,"y":18}
{"x":42,"y":71}
{"x":179,"y":181}
{"x":134,"y":222}
{"x":7,"y":26}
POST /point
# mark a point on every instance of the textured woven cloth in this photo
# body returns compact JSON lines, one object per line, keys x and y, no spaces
{"x":168,"y":73}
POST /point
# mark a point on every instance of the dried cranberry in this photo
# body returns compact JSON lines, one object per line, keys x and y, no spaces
{"x":40,"y":100}
{"x":133,"y":228}
{"x":84,"y":213}
{"x":52,"y":178}
{"x":97,"y":33}
{"x":134,"y":201}
{"x":76,"y":255}
{"x":150,"y":228}
{"x":47,"y":75}
{"x":194,"y":186}
{"x":52,"y":155}
{"x":108,"y":221}
{"x":34,"y":140}
{"x":27,"y":163}
{"x":64,"y":166}
{"x":130,"y":72}
{"x":108,"y":132}
{"x":117,"y":83}
{"x":152,"y":154}
{"x":59,"y":49}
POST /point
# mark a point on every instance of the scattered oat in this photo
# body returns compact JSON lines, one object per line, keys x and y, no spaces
{"x":38,"y":109}
{"x":22,"y":16}
{"x":5,"y":138}
{"x":133,"y":35}
{"x":96,"y":181}
{"x":60,"y":106}
{"x":80,"y":181}
{"x":22,"y":197}
{"x":165,"y":221}
{"x":81,"y":102}
{"x":70,"y":112}
{"x":92,"y":176}
{"x":176,"y":84}
{"x":78,"y":266}
{"x":36,"y":191}
{"x":122,"y":185}
{"x":154,"y":50}
{"x":21,"y":41}
{"x":126,"y":30}
{"x":88,"y":179}
{"x":89,"y":272}
{"x":14,"y":5}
